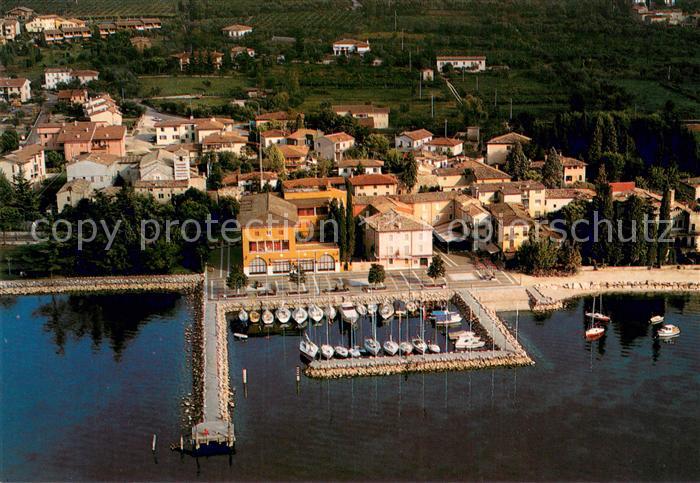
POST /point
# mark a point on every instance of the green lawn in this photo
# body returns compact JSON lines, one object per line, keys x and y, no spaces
{"x":649,"y":95}
{"x":183,"y":84}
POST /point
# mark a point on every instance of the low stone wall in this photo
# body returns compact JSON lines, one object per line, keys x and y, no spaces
{"x":222,"y":364}
{"x":560,"y":292}
{"x":386,"y":366}
{"x":140,"y":283}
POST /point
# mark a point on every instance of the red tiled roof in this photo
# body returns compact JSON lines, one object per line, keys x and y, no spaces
{"x":417,"y":134}
{"x":445,"y":142}
{"x":373,"y":179}
{"x":339,"y":137}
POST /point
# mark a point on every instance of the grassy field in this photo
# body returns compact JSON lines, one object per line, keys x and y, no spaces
{"x":97,"y":8}
{"x":179,"y":85}
{"x":651,"y":95}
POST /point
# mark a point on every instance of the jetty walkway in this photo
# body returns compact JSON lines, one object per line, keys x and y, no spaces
{"x":216,"y":426}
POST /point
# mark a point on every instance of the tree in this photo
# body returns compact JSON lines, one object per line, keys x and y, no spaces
{"x":538,"y":255}
{"x":275,"y":159}
{"x":569,"y":258}
{"x":473,"y":111}
{"x":377,"y":145}
{"x":517,"y":164}
{"x":436,"y":268}
{"x":26,"y":200}
{"x":9,"y":141}
{"x":409,"y":175}
{"x":664,"y":232}
{"x":237,"y":279}
{"x":350,"y":222}
{"x":553,"y":170}
{"x":595,"y":149}
{"x":376,"y":274}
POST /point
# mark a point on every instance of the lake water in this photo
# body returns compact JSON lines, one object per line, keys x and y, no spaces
{"x":86,"y":381}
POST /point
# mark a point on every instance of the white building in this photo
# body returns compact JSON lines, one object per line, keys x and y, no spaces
{"x":413,"y":140}
{"x":99,"y":169}
{"x":398,"y":240}
{"x":332,"y":146}
{"x":18,"y":88}
{"x":237,"y":31}
{"x":103,"y":110}
{"x":9,"y":29}
{"x":447,"y":146}
{"x":57,"y":75}
{"x":350,"y":46}
{"x":28,"y":162}
{"x":497,"y":148}
{"x":467,"y":63}
{"x":348,"y":167}
{"x":366,"y":114}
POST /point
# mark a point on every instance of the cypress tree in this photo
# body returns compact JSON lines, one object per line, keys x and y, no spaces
{"x":350,"y":222}
{"x":664,"y":231}
{"x":553,"y":170}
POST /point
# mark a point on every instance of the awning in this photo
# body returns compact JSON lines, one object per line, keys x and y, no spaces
{"x":445,"y":234}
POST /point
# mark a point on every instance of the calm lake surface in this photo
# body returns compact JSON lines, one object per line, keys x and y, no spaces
{"x":86,"y":381}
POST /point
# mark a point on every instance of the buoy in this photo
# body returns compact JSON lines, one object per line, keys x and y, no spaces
{"x":182,"y":444}
{"x":245,"y":376}
{"x":153,"y":445}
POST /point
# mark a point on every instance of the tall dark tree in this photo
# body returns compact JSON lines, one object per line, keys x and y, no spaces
{"x":517,"y":164}
{"x":553,"y":170}
{"x":349,"y":222}
{"x":664,"y":231}
{"x":409,"y":176}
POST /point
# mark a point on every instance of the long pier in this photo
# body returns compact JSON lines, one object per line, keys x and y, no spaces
{"x":216,"y":425}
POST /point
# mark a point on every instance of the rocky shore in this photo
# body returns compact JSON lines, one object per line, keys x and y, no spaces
{"x":136,"y":283}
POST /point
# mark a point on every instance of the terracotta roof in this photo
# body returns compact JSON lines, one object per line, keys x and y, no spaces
{"x":619,"y":187}
{"x":85,"y":73}
{"x":289,"y":151}
{"x":356,"y":43}
{"x":224,"y":138}
{"x":367,"y":163}
{"x":237,"y":28}
{"x":427,"y":197}
{"x":444,"y":142}
{"x":373,"y":179}
{"x":23,"y":155}
{"x":569,"y":193}
{"x":566,"y":161}
{"x":274,"y":133}
{"x":191,"y":147}
{"x":339,"y":137}
{"x":301,"y":183}
{"x":71,"y":93}
{"x":511,"y":187}
{"x":482,"y":171}
{"x":235,"y":178}
{"x":395,"y":221}
{"x":509,"y":138}
{"x":509,"y":213}
{"x":16,"y":83}
{"x":302,"y":133}
{"x":76,"y":185}
{"x":110,"y":132}
{"x":262,"y":207}
{"x":460,"y":57}
{"x":273,"y":116}
{"x":98,"y":158}
{"x":162,"y":183}
{"x":360,"y":109}
{"x":417,"y":134}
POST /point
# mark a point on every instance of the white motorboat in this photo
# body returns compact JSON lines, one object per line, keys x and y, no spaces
{"x":327,"y":351}
{"x":419,"y":345}
{"x":308,"y":348}
{"x":668,"y":331}
{"x":372,"y":346}
{"x":372,"y":309}
{"x":598,"y":316}
{"x":341,"y":351}
{"x":390,"y":347}
{"x":434,"y":348}
{"x":411,"y":306}
{"x":283,"y":315}
{"x":406,"y":348}
{"x":657,"y":319}
{"x":315,"y":313}
{"x":355,"y":352}
{"x":300,"y":315}
{"x":330,"y":313}
{"x":469,"y":344}
{"x":243,"y":315}
{"x":267,"y":317}
{"x":386,"y":310}
{"x":254,"y":316}
{"x":348,"y":313}
{"x":445,"y":317}
{"x":361,"y":310}
{"x":459,"y":334}
{"x":240,"y":336}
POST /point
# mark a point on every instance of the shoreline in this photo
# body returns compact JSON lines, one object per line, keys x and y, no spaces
{"x":135,"y":283}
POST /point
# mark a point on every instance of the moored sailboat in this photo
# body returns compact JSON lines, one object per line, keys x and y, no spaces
{"x":315,"y":313}
{"x":300,"y":315}
{"x":386,"y":310}
{"x":243,"y":315}
{"x":419,"y":345}
{"x":254,"y":316}
{"x":348,"y":313}
{"x":283,"y":315}
{"x":307,"y":348}
{"x":406,"y":348}
{"x":668,"y":331}
{"x":372,"y":346}
{"x":267,"y":317}
{"x":341,"y":351}
{"x":390,"y":347}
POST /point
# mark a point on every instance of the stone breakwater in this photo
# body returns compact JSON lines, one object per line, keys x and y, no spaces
{"x":222,"y":363}
{"x":137,"y":283}
{"x":385,"y":366}
{"x":647,"y":285}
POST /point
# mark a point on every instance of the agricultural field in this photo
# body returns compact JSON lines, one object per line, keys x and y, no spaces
{"x":217,"y":86}
{"x":98,"y":8}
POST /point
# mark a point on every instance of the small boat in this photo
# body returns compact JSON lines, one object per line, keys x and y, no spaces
{"x":445,"y":317}
{"x":355,"y":352}
{"x":390,"y":347}
{"x":469,"y":343}
{"x":240,"y":336}
{"x":598,"y":316}
{"x":419,"y":345}
{"x":254,"y":316}
{"x":406,"y":348}
{"x":348,"y":313}
{"x":386,"y":310}
{"x":372,"y":309}
{"x":327,"y":351}
{"x":283,"y":315}
{"x":411,"y":306}
{"x":361,"y":310}
{"x":308,"y":348}
{"x":300,"y":315}
{"x":595,"y":333}
{"x":315,"y":313}
{"x":372,"y":346}
{"x":668,"y":331}
{"x":462,"y":334}
{"x":400,"y":307}
{"x":657,"y":319}
{"x":434,"y":348}
{"x":330,"y":313}
{"x":267,"y":317}
{"x":341,"y":351}
{"x":243,"y":315}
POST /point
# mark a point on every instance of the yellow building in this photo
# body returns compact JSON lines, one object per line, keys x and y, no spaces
{"x":272,"y":239}
{"x":313,"y":207}
{"x":511,"y":226}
